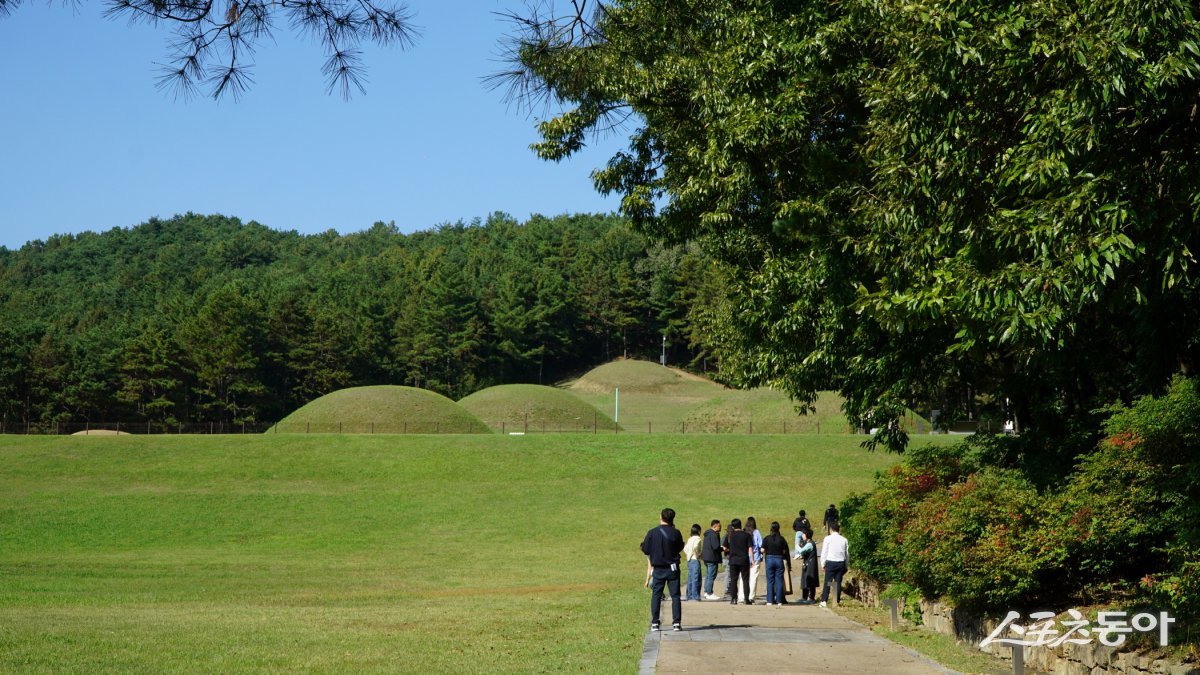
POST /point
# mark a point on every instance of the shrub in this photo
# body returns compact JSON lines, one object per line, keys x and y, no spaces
{"x":970,"y":541}
{"x":1179,"y":586}
{"x":875,"y":522}
{"x":1126,"y":521}
{"x":909,"y":597}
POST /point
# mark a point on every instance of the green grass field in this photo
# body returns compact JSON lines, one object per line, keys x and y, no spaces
{"x":431,"y":553}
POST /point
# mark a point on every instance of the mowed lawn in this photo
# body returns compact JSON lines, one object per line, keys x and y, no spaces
{"x":326,"y":552}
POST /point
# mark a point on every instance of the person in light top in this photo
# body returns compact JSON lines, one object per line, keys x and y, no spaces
{"x":835,"y":551}
{"x":691,"y":553}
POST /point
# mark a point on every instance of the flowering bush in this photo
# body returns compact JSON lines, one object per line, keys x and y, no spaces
{"x":969,"y":541}
{"x":987,"y":537}
{"x":878,"y":519}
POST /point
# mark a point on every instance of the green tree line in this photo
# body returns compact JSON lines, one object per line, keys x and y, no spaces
{"x":920,"y":199}
{"x":208,"y":319}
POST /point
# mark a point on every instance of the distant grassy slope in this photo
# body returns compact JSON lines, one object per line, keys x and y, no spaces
{"x":367,"y":553}
{"x":651,"y":396}
{"x":769,"y":411}
{"x":654,"y":398}
{"x":381,"y":409}
{"x":510,"y":407}
{"x":633,"y":375}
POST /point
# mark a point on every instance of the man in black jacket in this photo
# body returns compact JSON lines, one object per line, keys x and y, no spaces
{"x":737,"y":547}
{"x":801,"y":524}
{"x":831,"y":517}
{"x":662,"y":545}
{"x":710,"y":553}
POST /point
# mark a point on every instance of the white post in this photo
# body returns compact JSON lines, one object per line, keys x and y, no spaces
{"x":616,"y":405}
{"x":893,"y":607}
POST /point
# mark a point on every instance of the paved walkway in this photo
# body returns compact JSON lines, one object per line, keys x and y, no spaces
{"x":721,"y":638}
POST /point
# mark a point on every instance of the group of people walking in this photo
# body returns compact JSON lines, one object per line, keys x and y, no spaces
{"x":744,"y":552}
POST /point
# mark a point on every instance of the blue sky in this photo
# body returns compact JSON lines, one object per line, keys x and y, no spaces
{"x":89,"y":143}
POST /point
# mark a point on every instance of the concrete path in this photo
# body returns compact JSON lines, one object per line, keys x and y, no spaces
{"x":721,"y":638}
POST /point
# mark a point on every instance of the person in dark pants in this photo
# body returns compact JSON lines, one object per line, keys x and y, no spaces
{"x":662,"y":545}
{"x":778,"y":557}
{"x":710,"y":553}
{"x":835,"y":551}
{"x":737,"y":548}
{"x":831,"y":517}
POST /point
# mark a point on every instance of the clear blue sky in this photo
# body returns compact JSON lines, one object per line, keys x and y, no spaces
{"x":89,"y":143}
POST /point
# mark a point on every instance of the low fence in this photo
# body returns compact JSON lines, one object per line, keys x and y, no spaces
{"x":531,"y":426}
{"x":405,"y":427}
{"x":115,"y":428}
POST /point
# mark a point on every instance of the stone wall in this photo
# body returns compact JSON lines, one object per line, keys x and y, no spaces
{"x":1068,"y":659}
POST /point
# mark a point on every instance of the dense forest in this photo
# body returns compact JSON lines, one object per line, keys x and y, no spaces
{"x":208,"y":319}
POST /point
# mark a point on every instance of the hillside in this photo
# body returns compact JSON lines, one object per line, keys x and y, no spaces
{"x":656,"y":398}
{"x":651,"y":397}
{"x":766,"y":411}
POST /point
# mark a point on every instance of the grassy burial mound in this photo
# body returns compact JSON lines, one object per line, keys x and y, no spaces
{"x":766,"y":411}
{"x":532,"y":407}
{"x":634,"y":376}
{"x":652,"y":398}
{"x":384,"y":409}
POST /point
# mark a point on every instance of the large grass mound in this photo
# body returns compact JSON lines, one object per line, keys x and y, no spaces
{"x":634,"y":376}
{"x":765,"y":411}
{"x":651,"y":398}
{"x":357,"y":553}
{"x":532,"y":407}
{"x":384,"y":409}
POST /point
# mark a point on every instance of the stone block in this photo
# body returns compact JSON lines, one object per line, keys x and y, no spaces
{"x":1077,"y":668}
{"x":1085,"y":654}
{"x":1042,"y":659}
{"x":1103,"y":654}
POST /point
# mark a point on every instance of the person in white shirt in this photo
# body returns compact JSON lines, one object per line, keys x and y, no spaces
{"x":835,"y":551}
{"x":691,"y":553}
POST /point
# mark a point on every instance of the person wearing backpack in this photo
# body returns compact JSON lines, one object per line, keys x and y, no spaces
{"x":662,"y":546}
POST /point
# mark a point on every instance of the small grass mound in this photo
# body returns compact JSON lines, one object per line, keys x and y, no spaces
{"x":532,"y":407}
{"x":100,"y":432}
{"x":384,"y":409}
